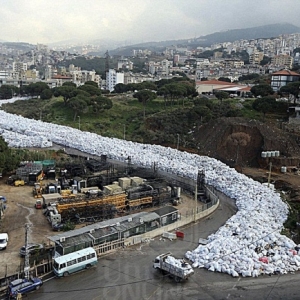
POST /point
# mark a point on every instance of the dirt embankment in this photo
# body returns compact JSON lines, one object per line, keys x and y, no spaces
{"x":215,"y":140}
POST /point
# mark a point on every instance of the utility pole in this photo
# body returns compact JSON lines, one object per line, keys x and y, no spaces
{"x":27,"y":264}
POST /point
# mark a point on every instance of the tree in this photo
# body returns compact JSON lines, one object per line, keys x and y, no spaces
{"x":7,"y":91}
{"x":226,"y":79}
{"x":265,"y":104}
{"x":46,"y":94}
{"x":93,"y":83}
{"x":78,"y":104}
{"x":100,"y":104}
{"x":292,"y":89}
{"x":221,"y":95}
{"x":144,"y":96}
{"x":91,"y":89}
{"x":69,"y":83}
{"x":8,"y":158}
{"x":67,"y":92}
{"x":262,"y":90}
{"x":35,"y":89}
{"x":120,"y":88}
{"x":238,"y":139}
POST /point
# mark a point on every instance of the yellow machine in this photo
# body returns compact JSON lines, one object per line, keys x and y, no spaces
{"x":37,"y":190}
{"x":19,"y":183}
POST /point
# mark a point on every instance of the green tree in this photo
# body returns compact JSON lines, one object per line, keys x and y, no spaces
{"x":144,"y":96}
{"x":8,"y":158}
{"x":262,"y":90}
{"x":91,"y":89}
{"x":120,"y":88}
{"x":67,"y":92}
{"x":93,"y":83}
{"x":69,"y":83}
{"x":7,"y":91}
{"x":100,"y":104}
{"x":265,"y":104}
{"x":221,"y":95}
{"x":78,"y":104}
{"x":292,"y":89}
{"x":226,"y":79}
{"x":35,"y":89}
{"x":46,"y":94}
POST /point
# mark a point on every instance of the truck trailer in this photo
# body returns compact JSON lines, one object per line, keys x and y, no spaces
{"x":178,"y":269}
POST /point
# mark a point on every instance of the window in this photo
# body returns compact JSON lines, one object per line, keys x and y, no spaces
{"x":174,"y":216}
{"x":80,"y":259}
{"x":71,"y":262}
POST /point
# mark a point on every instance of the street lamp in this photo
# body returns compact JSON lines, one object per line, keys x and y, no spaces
{"x":177,"y":141}
{"x":124,"y":131}
{"x":78,"y":122}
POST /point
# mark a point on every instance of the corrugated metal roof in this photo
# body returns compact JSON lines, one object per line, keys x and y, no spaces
{"x":87,"y":229}
{"x":165,"y":210}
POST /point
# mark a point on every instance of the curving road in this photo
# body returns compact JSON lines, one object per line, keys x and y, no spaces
{"x":128,"y":274}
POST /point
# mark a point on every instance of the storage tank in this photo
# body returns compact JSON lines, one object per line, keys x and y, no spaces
{"x":268,"y":153}
{"x":283,"y":169}
{"x":264,"y":154}
{"x":273,"y":153}
{"x":277,"y":153}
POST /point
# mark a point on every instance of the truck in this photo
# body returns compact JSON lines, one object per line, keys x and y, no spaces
{"x":176,"y":268}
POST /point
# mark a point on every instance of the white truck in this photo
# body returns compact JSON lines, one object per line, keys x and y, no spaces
{"x":179,"y":269}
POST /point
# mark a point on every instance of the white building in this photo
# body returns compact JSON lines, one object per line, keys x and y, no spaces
{"x":113,"y":78}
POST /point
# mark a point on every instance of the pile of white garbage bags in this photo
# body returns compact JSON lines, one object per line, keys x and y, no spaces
{"x":180,"y":264}
{"x":249,"y":244}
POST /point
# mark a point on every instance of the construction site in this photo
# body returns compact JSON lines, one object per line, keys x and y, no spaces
{"x":85,"y":191}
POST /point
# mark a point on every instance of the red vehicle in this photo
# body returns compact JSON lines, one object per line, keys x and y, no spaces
{"x":38,"y":204}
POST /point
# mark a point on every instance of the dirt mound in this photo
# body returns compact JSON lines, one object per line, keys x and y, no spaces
{"x":238,"y":141}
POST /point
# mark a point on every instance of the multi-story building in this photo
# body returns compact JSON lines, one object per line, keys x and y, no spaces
{"x":113,"y":78}
{"x":79,"y":77}
{"x":282,"y":60}
{"x":125,"y":64}
{"x":256,"y":57}
{"x":282,"y":78}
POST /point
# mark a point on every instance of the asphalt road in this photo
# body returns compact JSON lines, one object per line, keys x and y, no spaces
{"x":128,"y":274}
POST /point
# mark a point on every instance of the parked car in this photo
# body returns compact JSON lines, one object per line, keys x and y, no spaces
{"x":3,"y":240}
{"x":32,"y":249}
{"x":3,"y":199}
{"x":23,"y":286}
{"x":58,"y":226}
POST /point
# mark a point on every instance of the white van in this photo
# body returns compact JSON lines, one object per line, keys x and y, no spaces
{"x":3,"y":240}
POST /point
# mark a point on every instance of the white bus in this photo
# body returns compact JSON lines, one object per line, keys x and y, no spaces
{"x":75,"y":261}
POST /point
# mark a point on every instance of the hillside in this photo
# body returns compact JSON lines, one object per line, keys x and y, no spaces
{"x":266,"y":31}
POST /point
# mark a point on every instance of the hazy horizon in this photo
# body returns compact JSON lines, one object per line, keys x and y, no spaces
{"x":132,"y":21}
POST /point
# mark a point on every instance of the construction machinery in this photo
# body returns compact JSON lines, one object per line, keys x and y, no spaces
{"x":19,"y":183}
{"x":37,"y":190}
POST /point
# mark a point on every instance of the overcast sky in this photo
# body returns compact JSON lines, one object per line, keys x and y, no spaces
{"x":48,"y":21}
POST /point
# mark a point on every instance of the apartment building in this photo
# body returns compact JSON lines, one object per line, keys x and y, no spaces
{"x":113,"y":78}
{"x":282,"y":60}
{"x":256,"y":57}
{"x":125,"y":64}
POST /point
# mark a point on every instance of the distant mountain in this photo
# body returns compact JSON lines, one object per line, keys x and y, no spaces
{"x":266,"y":31}
{"x":19,"y":45}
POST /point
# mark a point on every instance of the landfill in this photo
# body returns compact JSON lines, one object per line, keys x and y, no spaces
{"x":249,"y":244}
